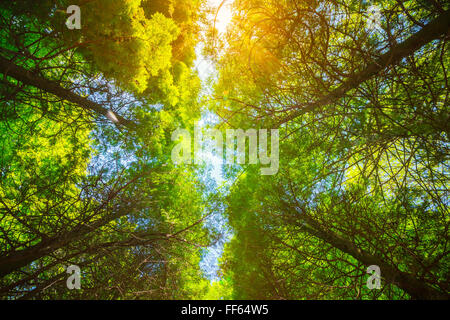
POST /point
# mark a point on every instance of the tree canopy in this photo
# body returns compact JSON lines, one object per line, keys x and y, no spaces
{"x":87,"y":118}
{"x":363,"y":118}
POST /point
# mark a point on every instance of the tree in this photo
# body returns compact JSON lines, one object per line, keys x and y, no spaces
{"x":362,"y":162}
{"x":76,"y":190}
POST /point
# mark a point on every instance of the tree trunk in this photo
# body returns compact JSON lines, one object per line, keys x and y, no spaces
{"x":433,"y":30}
{"x":415,"y":288}
{"x":21,"y":258}
{"x":25,"y":76}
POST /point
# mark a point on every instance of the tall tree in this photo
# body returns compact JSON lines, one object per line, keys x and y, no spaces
{"x":76,"y":190}
{"x":362,"y":114}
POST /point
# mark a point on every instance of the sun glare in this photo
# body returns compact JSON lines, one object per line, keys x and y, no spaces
{"x":222,"y":13}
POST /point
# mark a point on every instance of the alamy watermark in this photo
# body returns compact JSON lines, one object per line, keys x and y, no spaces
{"x":257,"y":147}
{"x":74,"y":280}
{"x":374,"y":281}
{"x":74,"y":20}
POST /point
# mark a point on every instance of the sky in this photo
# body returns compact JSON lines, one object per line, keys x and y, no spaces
{"x":209,"y":262}
{"x":224,"y":15}
{"x":223,"y":18}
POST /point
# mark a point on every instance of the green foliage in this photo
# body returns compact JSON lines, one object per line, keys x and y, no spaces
{"x":76,"y":190}
{"x":363,"y":177}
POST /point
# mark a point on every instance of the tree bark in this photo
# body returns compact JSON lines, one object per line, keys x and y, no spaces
{"x":18,"y":259}
{"x":8,"y":68}
{"x":21,"y":258}
{"x":433,"y":30}
{"x":415,"y":288}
